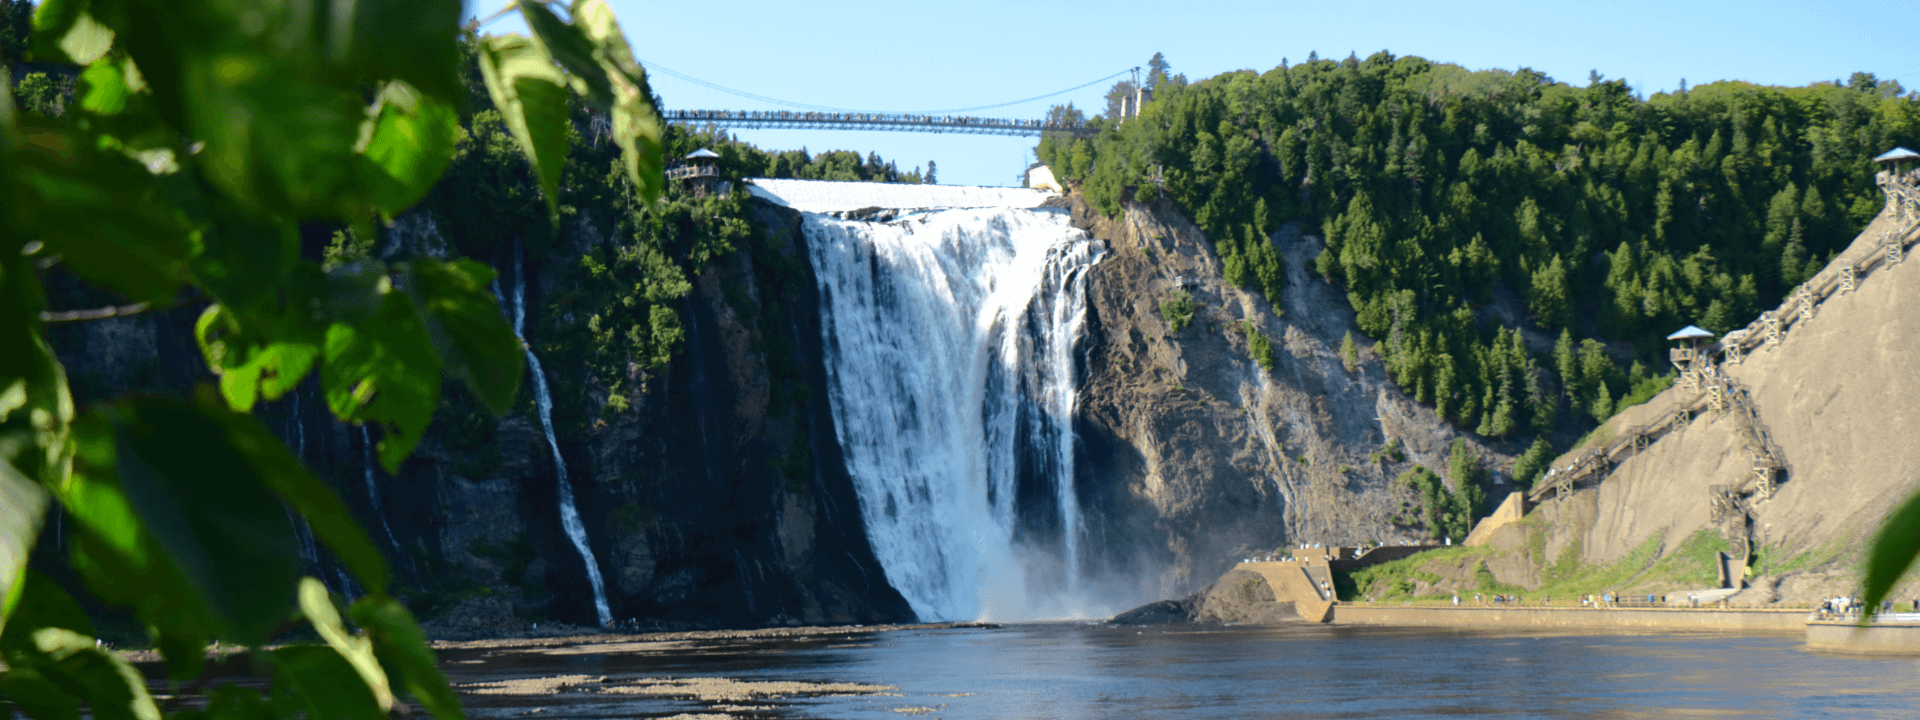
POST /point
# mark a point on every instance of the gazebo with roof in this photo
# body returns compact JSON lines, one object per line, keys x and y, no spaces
{"x":1689,"y":338}
{"x":1898,"y":159}
{"x":698,"y":171}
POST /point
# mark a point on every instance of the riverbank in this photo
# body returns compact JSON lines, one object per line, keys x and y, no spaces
{"x":1652,"y":619}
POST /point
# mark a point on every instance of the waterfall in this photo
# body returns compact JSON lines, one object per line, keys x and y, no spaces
{"x":373,"y":490}
{"x":309,"y":550}
{"x":569,"y":514}
{"x":949,"y":340}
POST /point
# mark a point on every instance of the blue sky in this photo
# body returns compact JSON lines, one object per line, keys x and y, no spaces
{"x":937,"y":55}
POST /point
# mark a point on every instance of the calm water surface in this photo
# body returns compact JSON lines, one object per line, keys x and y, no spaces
{"x":1064,"y":670}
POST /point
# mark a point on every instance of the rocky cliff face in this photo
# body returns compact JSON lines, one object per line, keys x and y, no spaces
{"x":1196,"y":455}
{"x":707,"y":504}
{"x":715,"y":499}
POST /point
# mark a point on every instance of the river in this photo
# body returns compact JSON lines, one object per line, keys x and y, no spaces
{"x":1077,"y":670}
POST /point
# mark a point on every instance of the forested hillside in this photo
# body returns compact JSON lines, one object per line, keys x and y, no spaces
{"x":1616,"y":219}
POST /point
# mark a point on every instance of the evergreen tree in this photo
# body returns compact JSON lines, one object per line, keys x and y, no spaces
{"x":1568,"y":364}
{"x":1533,"y":462}
{"x":1349,"y":357}
{"x":16,"y":31}
{"x":1794,"y":264}
{"x":932,"y":178}
{"x":1551,"y":300}
{"x":1157,"y":71}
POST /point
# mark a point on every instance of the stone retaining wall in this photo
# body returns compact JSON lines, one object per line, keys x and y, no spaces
{"x":1874,"y":639}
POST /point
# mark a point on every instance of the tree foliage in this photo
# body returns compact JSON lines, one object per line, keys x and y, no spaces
{"x":199,"y":139}
{"x":1609,"y":215}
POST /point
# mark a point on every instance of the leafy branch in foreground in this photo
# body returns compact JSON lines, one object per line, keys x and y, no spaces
{"x":200,"y":137}
{"x":1892,"y":554}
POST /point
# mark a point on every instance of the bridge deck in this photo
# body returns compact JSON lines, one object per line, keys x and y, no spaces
{"x":793,"y":120}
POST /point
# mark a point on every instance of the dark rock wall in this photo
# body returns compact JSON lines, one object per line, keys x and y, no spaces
{"x":692,"y":523}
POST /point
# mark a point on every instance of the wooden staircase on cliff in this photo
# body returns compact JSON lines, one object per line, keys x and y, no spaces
{"x":1713,"y":390}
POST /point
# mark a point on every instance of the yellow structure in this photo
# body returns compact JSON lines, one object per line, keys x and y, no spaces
{"x":1509,"y":512}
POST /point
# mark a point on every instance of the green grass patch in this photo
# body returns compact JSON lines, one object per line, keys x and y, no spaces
{"x":1396,"y":579}
{"x":1774,"y":560}
{"x":1692,"y":564}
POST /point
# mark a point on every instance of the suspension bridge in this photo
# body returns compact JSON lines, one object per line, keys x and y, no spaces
{"x":960,"y":120}
{"x":899,"y":122}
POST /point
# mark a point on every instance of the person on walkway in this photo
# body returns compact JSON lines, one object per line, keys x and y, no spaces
{"x":1456,"y":599}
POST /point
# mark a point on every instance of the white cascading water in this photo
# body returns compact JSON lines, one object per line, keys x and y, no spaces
{"x":373,"y":490}
{"x":949,"y":340}
{"x":569,"y":514}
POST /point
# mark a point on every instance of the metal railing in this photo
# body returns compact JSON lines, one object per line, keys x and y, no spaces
{"x":793,"y":120}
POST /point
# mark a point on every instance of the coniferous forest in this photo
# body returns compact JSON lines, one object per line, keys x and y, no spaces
{"x":1612,"y":219}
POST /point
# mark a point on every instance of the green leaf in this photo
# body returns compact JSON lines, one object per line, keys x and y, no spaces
{"x":417,"y":41}
{"x":531,"y":94}
{"x":357,"y":649}
{"x":277,"y":140}
{"x":384,"y":369}
{"x":38,"y":696}
{"x":409,"y":141}
{"x":637,"y":127}
{"x":403,"y":649}
{"x":106,"y":90}
{"x":1892,"y":554}
{"x":231,"y":702}
{"x":113,"y":688}
{"x":42,"y":604}
{"x":249,"y":372}
{"x":472,"y":336}
{"x":101,"y":212}
{"x":201,"y":501}
{"x":571,"y":48}
{"x":326,"y":684}
{"x":64,"y":32}
{"x":243,"y":259}
{"x":22,"y":505}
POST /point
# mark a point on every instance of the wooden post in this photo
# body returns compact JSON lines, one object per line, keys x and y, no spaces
{"x":1773,"y":327}
{"x":1848,"y":277}
{"x":1806,"y":304}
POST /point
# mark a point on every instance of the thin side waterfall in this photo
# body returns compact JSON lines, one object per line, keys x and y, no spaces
{"x":309,"y":550}
{"x":569,"y":514}
{"x":949,"y":340}
{"x":373,"y":490}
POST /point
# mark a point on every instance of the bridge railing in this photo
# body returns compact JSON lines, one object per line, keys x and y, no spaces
{"x":875,"y":121}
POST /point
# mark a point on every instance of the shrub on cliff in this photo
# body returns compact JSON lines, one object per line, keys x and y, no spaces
{"x":1177,"y":309}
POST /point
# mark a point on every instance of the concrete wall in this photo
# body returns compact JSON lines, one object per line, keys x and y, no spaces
{"x":1874,"y":639}
{"x":1295,"y":582}
{"x":1750,"y":621}
{"x":1509,"y":512}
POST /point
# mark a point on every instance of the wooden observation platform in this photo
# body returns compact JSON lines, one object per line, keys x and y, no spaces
{"x":698,"y":171}
{"x":1707,"y":387}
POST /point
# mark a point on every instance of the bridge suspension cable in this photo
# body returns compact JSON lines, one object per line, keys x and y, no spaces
{"x":823,"y":108}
